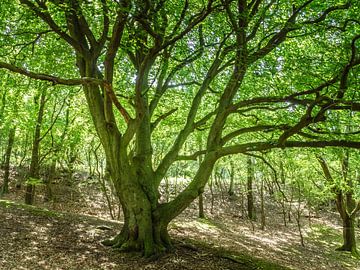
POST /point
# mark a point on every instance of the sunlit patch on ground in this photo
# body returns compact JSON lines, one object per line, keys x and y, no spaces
{"x":35,"y":240}
{"x":278,"y":243}
{"x":73,"y":240}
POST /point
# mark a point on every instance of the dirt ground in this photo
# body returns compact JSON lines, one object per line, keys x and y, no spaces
{"x":33,"y":238}
{"x":59,"y":239}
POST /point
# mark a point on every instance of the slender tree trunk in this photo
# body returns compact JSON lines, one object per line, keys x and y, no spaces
{"x":34,"y":164}
{"x":48,"y":182}
{"x":283,"y":210}
{"x":263,"y":217}
{"x":231,"y":191}
{"x":348,"y":209}
{"x":70,"y":164}
{"x":201,"y":196}
{"x":102,"y":177}
{"x":5,"y":186}
{"x":201,"y":206}
{"x":242,"y":203}
{"x":282,"y":189}
{"x":24,"y":150}
{"x":211,"y":186}
{"x":298,"y":215}
{"x":249,"y":185}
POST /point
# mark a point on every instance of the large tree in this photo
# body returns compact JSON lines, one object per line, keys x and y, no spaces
{"x":248,"y":75}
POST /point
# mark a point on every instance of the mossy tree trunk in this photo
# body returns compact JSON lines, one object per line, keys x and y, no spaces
{"x":348,"y":208}
{"x":146,"y":221}
{"x":349,"y":236}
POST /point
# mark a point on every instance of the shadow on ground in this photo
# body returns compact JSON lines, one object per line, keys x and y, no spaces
{"x":34,"y":238}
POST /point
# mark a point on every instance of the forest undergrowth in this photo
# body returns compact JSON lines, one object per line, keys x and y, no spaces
{"x":69,"y":233}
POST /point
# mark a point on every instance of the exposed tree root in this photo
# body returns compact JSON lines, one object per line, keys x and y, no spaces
{"x":152,"y":250}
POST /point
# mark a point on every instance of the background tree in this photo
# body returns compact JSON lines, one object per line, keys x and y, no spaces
{"x":347,"y":206}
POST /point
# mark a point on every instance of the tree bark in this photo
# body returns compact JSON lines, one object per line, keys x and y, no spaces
{"x":201,"y":206}
{"x":231,"y":190}
{"x":34,"y":164}
{"x":48,"y":196}
{"x":345,"y":204}
{"x":249,"y":191}
{"x":349,"y":240}
{"x":145,"y":229}
{"x":262,"y":206}
{"x":201,"y":196}
{"x":5,"y":186}
{"x":146,"y":221}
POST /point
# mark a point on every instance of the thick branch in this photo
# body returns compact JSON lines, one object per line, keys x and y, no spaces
{"x":262,"y":146}
{"x":45,"y":77}
{"x":323,"y":16}
{"x":289,"y":26}
{"x":193,"y":156}
{"x":115,"y":39}
{"x":240,"y":131}
{"x":352,"y":63}
{"x":44,"y":14}
{"x":110,"y":91}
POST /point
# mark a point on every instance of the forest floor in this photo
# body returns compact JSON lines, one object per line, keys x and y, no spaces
{"x":37,"y":238}
{"x":68,"y":236}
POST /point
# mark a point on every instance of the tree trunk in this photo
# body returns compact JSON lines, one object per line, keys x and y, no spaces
{"x":212,"y":193}
{"x":201,"y":206}
{"x":349,"y":209}
{"x":48,"y":196}
{"x":145,"y":220}
{"x":249,"y":185}
{"x":349,"y":240}
{"x":201,"y":196}
{"x":5,"y":186}
{"x":145,"y":229}
{"x":263,"y":217}
{"x":24,"y":151}
{"x":345,"y":204}
{"x":34,"y":164}
{"x":231,"y":191}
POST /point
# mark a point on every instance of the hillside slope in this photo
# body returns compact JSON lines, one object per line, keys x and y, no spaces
{"x":36,"y":238}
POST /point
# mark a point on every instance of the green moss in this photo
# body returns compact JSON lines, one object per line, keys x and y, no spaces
{"x":253,"y":263}
{"x":29,"y":208}
{"x":212,"y":223}
{"x":325,"y":235}
{"x":245,"y":260}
